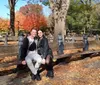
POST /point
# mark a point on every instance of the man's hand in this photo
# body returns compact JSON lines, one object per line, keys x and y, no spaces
{"x":24,"y":62}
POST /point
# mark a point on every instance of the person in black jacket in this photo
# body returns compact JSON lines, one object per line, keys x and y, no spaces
{"x":45,"y":51}
{"x":29,"y":54}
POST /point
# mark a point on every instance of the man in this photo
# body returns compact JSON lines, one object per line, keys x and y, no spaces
{"x":29,"y":54}
{"x":46,"y":53}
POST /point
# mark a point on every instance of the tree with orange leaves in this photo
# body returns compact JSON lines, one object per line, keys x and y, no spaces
{"x":34,"y":21}
{"x":29,"y":9}
{"x":34,"y":17}
{"x":19,"y":20}
{"x":4,"y":24}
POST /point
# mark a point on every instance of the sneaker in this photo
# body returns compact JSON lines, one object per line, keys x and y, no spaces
{"x":37,"y":77}
{"x":33,"y":77}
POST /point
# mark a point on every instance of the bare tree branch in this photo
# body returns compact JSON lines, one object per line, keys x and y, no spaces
{"x":16,"y":1}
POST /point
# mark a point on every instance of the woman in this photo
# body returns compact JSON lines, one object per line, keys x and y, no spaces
{"x":45,"y":51}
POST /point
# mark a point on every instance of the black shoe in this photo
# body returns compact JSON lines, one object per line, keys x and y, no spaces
{"x":37,"y":77}
{"x":50,"y":74}
{"x":33,"y":77}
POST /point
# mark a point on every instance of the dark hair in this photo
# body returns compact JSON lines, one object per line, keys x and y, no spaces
{"x":42,"y":30}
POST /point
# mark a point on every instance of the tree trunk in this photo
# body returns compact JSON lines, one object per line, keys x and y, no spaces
{"x":12,"y":21}
{"x":59,"y":28}
{"x":12,"y":15}
{"x":59,"y":9}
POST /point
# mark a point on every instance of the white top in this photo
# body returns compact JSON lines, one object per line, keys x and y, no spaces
{"x":30,"y":40}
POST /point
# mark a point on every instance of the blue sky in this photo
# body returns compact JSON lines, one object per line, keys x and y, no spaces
{"x":4,"y":10}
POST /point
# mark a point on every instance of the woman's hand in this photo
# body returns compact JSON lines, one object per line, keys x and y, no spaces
{"x":24,"y":62}
{"x":43,"y":61}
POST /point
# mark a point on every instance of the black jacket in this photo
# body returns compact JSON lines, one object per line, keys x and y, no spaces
{"x":25,"y":48}
{"x":43,"y":47}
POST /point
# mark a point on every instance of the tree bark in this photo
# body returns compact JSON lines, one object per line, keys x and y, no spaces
{"x":12,"y":15}
{"x":59,"y":10}
{"x":59,"y":28}
{"x":12,"y":21}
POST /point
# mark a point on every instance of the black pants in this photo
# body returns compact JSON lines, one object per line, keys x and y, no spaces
{"x":49,"y":66}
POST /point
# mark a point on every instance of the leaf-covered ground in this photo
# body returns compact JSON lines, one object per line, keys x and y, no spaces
{"x":80,"y":72}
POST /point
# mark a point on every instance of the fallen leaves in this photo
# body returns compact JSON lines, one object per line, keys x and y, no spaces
{"x":72,"y":73}
{"x":7,"y":68}
{"x":8,"y":59}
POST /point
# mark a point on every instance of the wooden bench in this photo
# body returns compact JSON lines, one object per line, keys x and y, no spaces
{"x":10,"y":50}
{"x":83,"y":53}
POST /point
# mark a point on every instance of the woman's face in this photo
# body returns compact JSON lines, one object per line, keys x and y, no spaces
{"x":33,"y":33}
{"x":40,"y":33}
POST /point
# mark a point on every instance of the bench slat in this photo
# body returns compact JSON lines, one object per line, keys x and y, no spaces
{"x":77,"y":53}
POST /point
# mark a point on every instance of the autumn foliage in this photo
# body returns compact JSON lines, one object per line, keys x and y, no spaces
{"x":4,"y":24}
{"x":19,"y":20}
{"x":30,"y":16}
{"x":31,"y":9}
{"x":34,"y":21}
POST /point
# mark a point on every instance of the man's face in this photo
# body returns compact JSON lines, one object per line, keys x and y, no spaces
{"x":40,"y":33}
{"x":33,"y":33}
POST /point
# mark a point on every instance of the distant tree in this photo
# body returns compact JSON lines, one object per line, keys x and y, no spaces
{"x":12,"y":4}
{"x":81,"y":16}
{"x":4,"y":24}
{"x":19,"y":20}
{"x":31,"y":9}
{"x":97,"y":12}
{"x":34,"y":22}
{"x":34,"y":17}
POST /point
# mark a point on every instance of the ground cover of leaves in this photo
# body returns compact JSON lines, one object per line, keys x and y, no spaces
{"x":81,"y":72}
